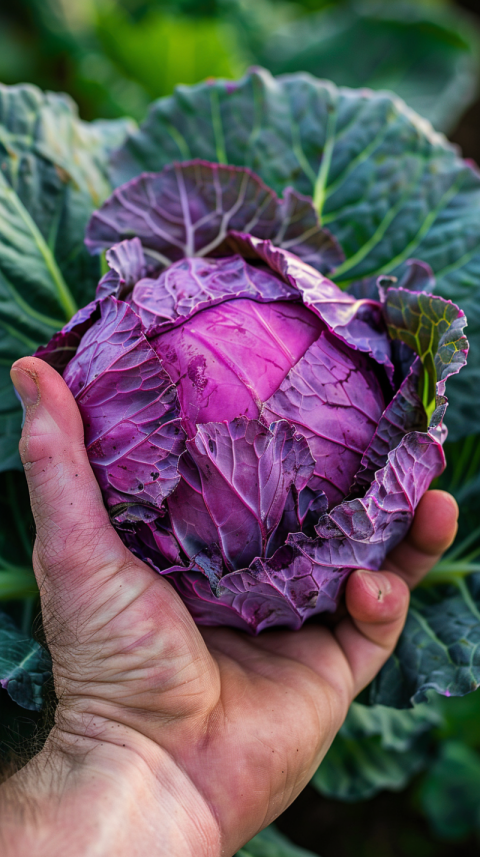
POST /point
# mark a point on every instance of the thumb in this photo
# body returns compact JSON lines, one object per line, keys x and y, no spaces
{"x":74,"y":534}
{"x":110,"y":620}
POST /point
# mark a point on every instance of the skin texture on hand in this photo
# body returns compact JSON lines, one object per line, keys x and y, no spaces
{"x":170,"y":738}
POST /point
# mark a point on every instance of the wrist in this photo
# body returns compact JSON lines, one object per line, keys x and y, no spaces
{"x":115,"y":794}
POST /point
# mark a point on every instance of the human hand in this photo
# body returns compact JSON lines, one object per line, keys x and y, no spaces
{"x":169,"y":738}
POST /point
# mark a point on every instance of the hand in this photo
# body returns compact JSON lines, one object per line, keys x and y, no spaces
{"x":169,"y":738}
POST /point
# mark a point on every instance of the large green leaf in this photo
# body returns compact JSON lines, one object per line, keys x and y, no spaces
{"x":24,"y":665}
{"x":439,"y":648}
{"x":376,"y":748}
{"x":52,"y":176}
{"x":422,"y":52}
{"x":271,"y":843}
{"x":450,"y":793}
{"x":386,"y":185}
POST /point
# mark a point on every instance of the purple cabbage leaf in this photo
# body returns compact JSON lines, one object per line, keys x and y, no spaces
{"x":189,"y":208}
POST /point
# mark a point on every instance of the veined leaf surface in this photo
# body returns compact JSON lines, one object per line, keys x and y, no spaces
{"x":376,"y":748}
{"x":52,"y":176}
{"x":439,"y":648}
{"x":384,"y":182}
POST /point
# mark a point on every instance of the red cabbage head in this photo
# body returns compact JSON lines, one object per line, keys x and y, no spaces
{"x":257,"y":433}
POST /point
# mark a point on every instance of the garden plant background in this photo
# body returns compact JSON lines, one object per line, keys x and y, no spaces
{"x":395,"y":782}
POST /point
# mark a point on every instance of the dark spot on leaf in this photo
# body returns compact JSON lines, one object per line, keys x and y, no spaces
{"x":196,"y":372}
{"x":171,"y":355}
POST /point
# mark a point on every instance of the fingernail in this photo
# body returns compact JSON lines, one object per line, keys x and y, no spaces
{"x":26,"y":386}
{"x":376,"y":583}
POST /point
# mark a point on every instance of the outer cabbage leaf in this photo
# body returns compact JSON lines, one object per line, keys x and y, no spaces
{"x":439,"y":648}
{"x":64,"y":344}
{"x":244,"y":472}
{"x":271,"y":843}
{"x":405,"y":413}
{"x":127,"y":264}
{"x":425,"y":52}
{"x":53,"y":174}
{"x":376,"y":748}
{"x":433,"y":328}
{"x":188,"y":209}
{"x":24,"y":665}
{"x":129,"y":408}
{"x":191,"y":285}
{"x":416,"y":277}
{"x":387,"y":186}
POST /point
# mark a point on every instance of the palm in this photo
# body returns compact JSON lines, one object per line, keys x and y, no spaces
{"x":248,"y":719}
{"x":142,"y":661}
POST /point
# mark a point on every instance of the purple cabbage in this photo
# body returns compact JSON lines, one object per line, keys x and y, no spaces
{"x":256,"y":432}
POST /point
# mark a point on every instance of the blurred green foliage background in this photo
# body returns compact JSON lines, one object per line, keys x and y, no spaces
{"x":114,"y":57}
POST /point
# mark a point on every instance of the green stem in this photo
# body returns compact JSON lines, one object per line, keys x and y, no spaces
{"x":460,"y":548}
{"x":450,"y":572}
{"x":17,"y":584}
{"x":319,"y":191}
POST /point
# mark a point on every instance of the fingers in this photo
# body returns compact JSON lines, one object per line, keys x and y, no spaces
{"x":377,"y":603}
{"x":73,"y":528}
{"x":432,"y":532}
